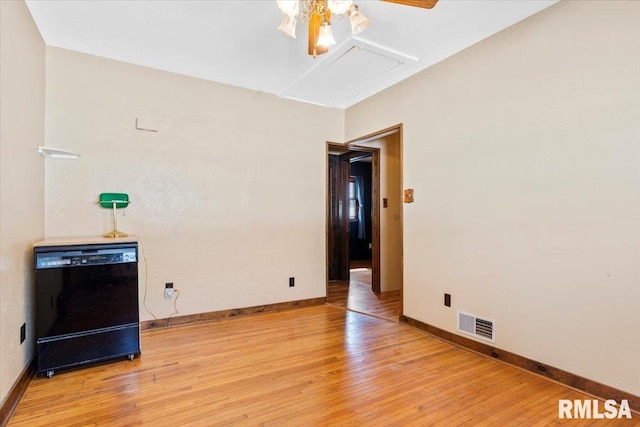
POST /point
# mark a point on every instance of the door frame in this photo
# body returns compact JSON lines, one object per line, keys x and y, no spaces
{"x":359,"y":144}
{"x":356,"y":151}
{"x":355,"y":145}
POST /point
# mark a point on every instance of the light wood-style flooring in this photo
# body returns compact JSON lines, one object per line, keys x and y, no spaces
{"x":356,"y":295}
{"x":313,"y":366}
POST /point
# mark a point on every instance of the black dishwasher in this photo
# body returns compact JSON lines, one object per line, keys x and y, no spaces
{"x":87,"y":304}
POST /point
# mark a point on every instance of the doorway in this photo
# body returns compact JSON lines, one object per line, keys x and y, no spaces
{"x":364,"y":224}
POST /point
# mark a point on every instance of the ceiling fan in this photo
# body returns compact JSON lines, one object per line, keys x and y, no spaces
{"x":426,"y":4}
{"x":317,"y":13}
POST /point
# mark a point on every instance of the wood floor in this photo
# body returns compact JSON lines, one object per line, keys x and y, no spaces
{"x":319,"y":365}
{"x":357,"y":295}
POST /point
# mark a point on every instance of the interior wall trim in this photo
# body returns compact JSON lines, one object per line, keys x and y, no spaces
{"x":569,"y":379}
{"x":224,"y":314}
{"x":16,"y":392}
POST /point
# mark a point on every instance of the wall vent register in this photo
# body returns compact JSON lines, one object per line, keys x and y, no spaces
{"x":473,"y":325}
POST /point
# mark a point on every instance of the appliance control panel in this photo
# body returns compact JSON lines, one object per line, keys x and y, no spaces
{"x":73,"y":258}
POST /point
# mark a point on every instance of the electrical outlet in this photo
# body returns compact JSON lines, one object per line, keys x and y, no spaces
{"x":23,"y":332}
{"x":168,"y":290}
{"x":447,"y":300}
{"x":292,"y":282}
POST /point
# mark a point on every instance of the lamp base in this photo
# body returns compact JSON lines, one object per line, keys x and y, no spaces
{"x":114,"y":234}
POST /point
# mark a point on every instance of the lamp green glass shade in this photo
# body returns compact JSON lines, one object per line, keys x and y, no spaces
{"x":108,"y":199}
{"x":114,"y":201}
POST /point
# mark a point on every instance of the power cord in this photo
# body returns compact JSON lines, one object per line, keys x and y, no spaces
{"x":146,"y":286}
{"x":175,"y":303}
{"x":146,"y":281}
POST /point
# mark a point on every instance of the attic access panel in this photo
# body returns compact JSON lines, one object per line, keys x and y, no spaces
{"x":353,"y":66}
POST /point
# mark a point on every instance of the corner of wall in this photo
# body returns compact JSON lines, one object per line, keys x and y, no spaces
{"x":22,"y":105}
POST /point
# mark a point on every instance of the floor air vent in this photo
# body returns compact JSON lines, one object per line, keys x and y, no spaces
{"x":473,"y":325}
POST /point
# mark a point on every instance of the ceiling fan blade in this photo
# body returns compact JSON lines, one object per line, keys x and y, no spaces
{"x":425,"y":4}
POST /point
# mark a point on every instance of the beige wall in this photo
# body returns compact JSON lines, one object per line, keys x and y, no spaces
{"x":228,"y":197}
{"x":390,"y":147}
{"x":22,"y":79}
{"x":524,"y":151}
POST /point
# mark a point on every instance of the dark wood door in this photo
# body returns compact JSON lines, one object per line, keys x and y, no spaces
{"x":338,"y":238}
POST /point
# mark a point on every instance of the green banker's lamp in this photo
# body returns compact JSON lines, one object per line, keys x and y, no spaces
{"x":114,"y":201}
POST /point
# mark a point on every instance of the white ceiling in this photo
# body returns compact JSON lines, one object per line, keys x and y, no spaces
{"x":236,"y":42}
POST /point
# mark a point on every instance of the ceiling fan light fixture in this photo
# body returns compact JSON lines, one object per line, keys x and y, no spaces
{"x":318,"y":13}
{"x":339,"y":7}
{"x":289,"y":7}
{"x":358,"y":21}
{"x":288,"y":26}
{"x":325,"y":37}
